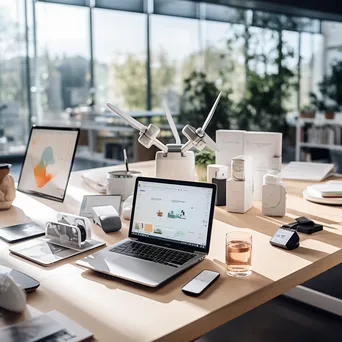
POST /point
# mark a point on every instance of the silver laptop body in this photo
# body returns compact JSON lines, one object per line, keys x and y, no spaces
{"x":169,"y":232}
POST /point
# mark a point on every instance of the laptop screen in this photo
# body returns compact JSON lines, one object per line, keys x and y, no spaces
{"x":171,"y":211}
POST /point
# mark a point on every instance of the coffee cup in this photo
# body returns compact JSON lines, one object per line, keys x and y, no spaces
{"x":121,"y":183}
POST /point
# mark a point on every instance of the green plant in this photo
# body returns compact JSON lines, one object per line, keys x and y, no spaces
{"x":307,"y":108}
{"x":268,"y":79}
{"x":198,"y":98}
{"x":204,"y":158}
{"x":330,"y":89}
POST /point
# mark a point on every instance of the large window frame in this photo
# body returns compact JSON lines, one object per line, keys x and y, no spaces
{"x":179,"y":8}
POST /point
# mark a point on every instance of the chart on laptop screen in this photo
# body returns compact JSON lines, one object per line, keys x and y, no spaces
{"x":172,"y":212}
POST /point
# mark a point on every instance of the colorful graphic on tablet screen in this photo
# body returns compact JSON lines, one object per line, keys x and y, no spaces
{"x":41,"y":174}
{"x":48,"y":161}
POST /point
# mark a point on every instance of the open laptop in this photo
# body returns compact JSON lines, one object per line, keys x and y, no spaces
{"x":169,"y":232}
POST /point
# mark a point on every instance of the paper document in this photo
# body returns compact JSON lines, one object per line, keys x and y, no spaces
{"x":329,"y":189}
{"x":52,"y":326}
{"x":97,"y":180}
{"x":315,"y":172}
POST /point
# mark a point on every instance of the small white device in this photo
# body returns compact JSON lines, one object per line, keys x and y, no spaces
{"x":200,"y":283}
{"x":174,"y":161}
{"x":76,"y":220}
{"x":69,"y":230}
{"x":212,"y":170}
{"x":273,"y":196}
{"x":240,"y":185}
{"x":107,"y":218}
{"x":12,"y":297}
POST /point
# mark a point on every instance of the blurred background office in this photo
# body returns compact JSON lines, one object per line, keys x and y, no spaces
{"x":279,"y":67}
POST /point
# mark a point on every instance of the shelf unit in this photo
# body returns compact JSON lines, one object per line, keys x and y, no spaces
{"x":318,"y":122}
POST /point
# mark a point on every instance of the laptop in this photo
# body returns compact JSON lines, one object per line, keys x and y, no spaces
{"x":169,"y":232}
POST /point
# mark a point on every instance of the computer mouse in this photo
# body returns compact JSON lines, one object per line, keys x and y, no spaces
{"x":12,"y":297}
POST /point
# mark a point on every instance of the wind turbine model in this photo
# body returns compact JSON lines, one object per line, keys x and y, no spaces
{"x":174,"y":161}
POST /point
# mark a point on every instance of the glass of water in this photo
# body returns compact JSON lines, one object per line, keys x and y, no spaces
{"x":239,"y":254}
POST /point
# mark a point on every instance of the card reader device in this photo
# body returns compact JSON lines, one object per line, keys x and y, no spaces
{"x":107,"y":218}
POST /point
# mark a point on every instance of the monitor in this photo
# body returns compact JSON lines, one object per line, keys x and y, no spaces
{"x":48,"y":161}
{"x":173,"y":212}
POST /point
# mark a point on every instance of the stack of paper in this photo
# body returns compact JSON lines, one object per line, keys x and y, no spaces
{"x":315,"y":172}
{"x":332,"y":189}
{"x":96,"y":179}
{"x":328,"y":193}
{"x":52,"y":326}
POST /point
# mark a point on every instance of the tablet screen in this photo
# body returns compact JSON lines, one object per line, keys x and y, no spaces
{"x":48,"y":162}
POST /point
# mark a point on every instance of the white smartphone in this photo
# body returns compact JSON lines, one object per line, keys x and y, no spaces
{"x":200,"y":283}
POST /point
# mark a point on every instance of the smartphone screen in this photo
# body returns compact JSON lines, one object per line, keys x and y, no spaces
{"x":201,"y":282}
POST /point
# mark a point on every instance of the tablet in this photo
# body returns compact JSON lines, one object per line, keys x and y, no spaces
{"x":90,"y":201}
{"x":21,"y":232}
{"x":48,"y":161}
{"x":46,"y":253}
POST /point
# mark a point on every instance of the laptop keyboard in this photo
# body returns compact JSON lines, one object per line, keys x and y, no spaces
{"x":153,"y":253}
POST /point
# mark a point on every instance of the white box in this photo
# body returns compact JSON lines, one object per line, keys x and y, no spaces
{"x":264,"y":147}
{"x":239,"y":196}
{"x":240,"y":193}
{"x":230,"y":144}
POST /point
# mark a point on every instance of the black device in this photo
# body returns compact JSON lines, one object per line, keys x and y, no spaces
{"x":21,"y":232}
{"x":285,"y":238}
{"x":221,"y":185}
{"x":200,"y":283}
{"x":27,"y":283}
{"x":220,"y":180}
{"x":304,"y":225}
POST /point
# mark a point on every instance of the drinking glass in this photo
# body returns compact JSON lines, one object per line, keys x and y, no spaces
{"x":239,"y":254}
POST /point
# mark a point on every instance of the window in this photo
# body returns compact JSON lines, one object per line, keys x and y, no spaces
{"x":311,"y":67}
{"x":120,"y":58}
{"x":333,"y":43}
{"x":63,"y":58}
{"x":13,"y":76}
{"x":291,"y":50}
{"x":174,"y":55}
{"x":224,"y":60}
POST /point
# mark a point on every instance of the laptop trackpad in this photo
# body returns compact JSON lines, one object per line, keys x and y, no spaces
{"x":137,"y":270}
{"x":140,"y":271}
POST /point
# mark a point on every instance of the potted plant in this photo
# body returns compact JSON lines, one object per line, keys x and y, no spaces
{"x":307,"y":112}
{"x":202,"y":160}
{"x":329,"y":113}
{"x":330,"y":92}
{"x":322,"y":106}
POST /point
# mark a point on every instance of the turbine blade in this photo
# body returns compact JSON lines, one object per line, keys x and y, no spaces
{"x":210,"y":143}
{"x":171,"y":123}
{"x":131,"y":121}
{"x":211,"y":113}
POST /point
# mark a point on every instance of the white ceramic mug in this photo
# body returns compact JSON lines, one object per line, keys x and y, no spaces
{"x":121,"y":183}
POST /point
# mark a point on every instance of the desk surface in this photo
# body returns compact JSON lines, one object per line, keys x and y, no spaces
{"x":115,"y":310}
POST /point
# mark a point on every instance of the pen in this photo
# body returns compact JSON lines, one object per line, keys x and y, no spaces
{"x":125,"y":159}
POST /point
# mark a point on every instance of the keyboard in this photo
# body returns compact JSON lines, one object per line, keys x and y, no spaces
{"x":153,"y":253}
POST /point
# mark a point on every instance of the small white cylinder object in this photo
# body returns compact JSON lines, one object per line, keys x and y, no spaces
{"x":240,"y":185}
{"x":273,"y":196}
{"x":212,"y":169}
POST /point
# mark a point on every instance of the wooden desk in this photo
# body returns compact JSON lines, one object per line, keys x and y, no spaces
{"x":115,"y":310}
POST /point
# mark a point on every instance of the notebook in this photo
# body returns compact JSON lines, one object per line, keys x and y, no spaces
{"x":315,"y":172}
{"x":52,"y":326}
